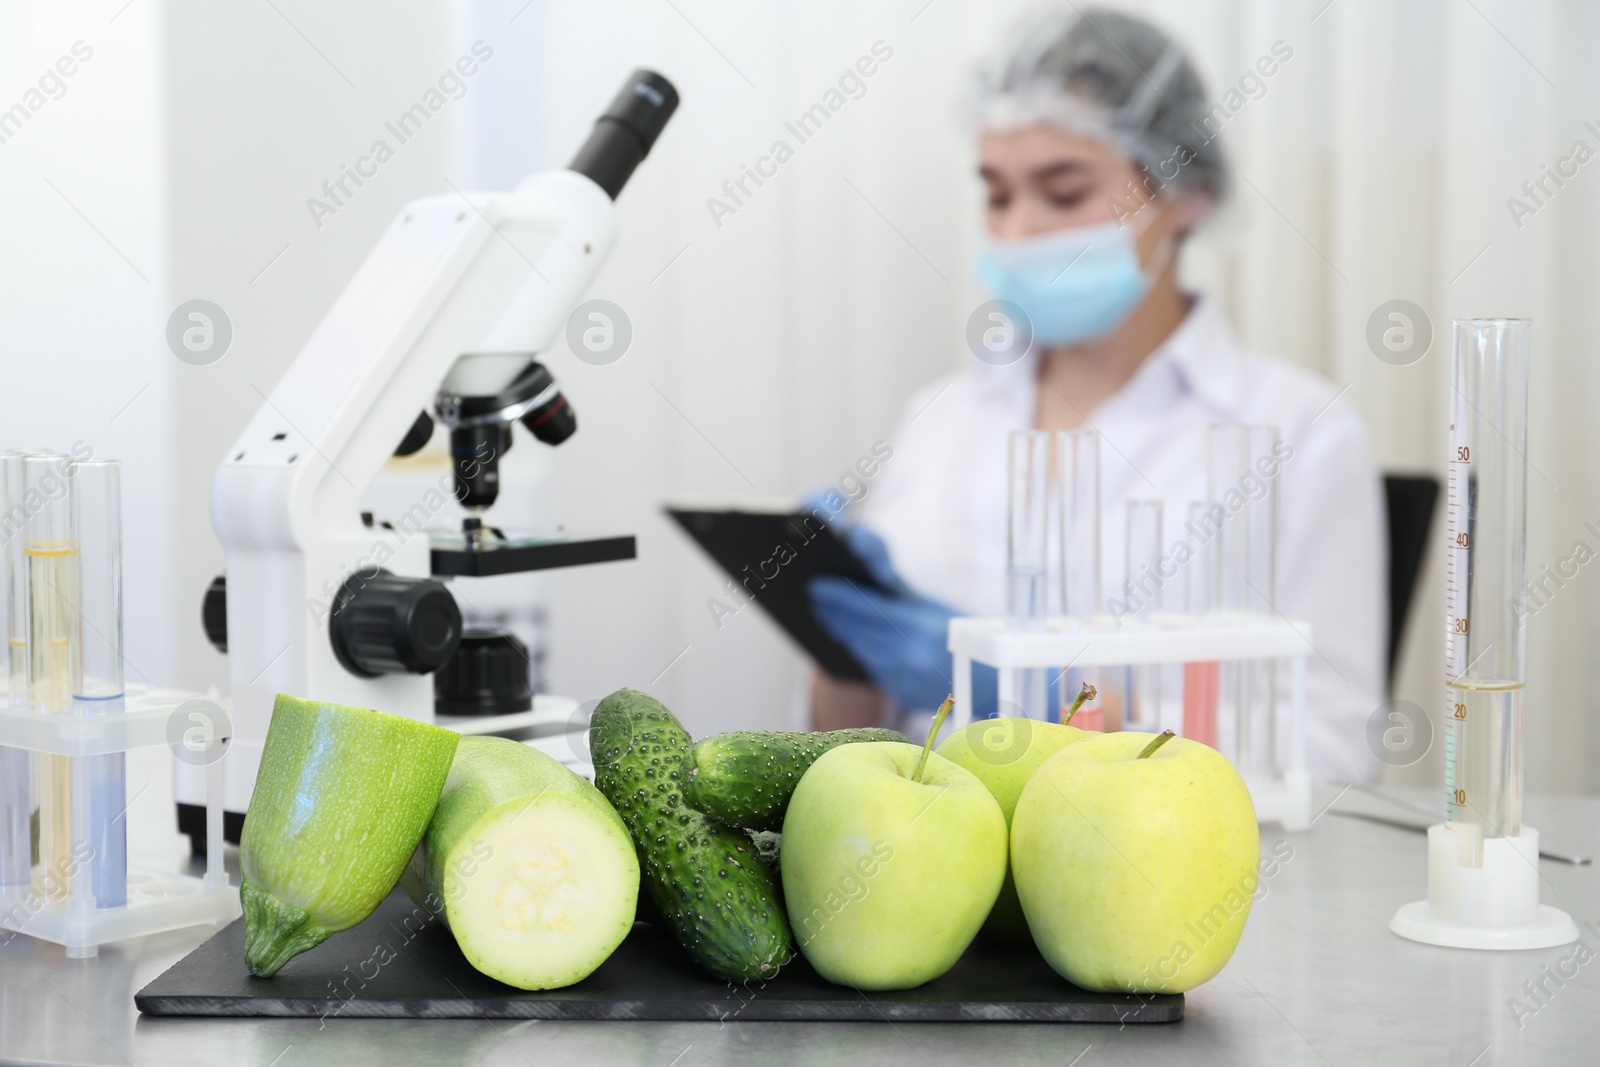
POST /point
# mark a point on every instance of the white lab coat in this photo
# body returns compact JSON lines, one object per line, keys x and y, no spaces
{"x":940,"y":503}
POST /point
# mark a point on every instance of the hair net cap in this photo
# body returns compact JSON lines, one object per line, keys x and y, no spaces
{"x":1116,"y":78}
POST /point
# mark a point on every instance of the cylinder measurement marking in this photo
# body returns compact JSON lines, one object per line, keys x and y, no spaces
{"x":1458,"y":541}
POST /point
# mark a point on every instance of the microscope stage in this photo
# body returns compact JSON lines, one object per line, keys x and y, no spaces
{"x":493,"y":555}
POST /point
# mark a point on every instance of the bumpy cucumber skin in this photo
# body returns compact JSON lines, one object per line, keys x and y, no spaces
{"x":745,"y":778}
{"x":342,"y":798}
{"x":712,"y":888}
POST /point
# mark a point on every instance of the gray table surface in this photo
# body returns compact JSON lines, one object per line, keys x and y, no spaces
{"x":1317,"y":979}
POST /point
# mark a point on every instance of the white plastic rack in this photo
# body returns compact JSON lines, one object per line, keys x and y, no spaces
{"x":1282,"y":795}
{"x":156,"y":902}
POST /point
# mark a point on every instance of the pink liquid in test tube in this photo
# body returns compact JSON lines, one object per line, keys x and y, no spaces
{"x":1201,"y":680}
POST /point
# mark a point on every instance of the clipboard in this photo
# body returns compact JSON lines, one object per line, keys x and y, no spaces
{"x":772,"y":553}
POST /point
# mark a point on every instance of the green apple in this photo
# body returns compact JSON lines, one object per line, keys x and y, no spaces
{"x":892,"y":858}
{"x":1003,"y":753}
{"x":1135,"y":858}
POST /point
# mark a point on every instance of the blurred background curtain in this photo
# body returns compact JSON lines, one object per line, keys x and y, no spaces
{"x":776,"y":338}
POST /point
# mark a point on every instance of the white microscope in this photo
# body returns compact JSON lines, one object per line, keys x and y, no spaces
{"x":447,"y":314}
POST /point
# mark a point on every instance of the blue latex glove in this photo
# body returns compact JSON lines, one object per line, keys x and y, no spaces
{"x":895,"y":633}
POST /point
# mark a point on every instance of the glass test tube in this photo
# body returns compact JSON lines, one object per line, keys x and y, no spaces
{"x":1227,"y":461}
{"x":1141,"y":591}
{"x":1078,"y":471}
{"x":1261,"y":580}
{"x":53,"y":665}
{"x":1027,"y":537}
{"x":97,"y":513}
{"x":16,"y":801}
{"x":1200,"y":678}
{"x":1486,"y":523}
{"x":1241,"y":481}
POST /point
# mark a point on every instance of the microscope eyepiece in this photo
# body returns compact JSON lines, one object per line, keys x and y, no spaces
{"x":625,"y":132}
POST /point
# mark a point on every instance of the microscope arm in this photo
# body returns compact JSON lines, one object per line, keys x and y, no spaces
{"x":460,"y":292}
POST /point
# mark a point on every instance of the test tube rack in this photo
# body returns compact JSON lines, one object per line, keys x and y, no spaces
{"x":156,"y":902}
{"x":1283,"y":797}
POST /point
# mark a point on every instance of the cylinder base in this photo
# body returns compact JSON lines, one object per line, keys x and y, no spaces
{"x":1495,"y":906}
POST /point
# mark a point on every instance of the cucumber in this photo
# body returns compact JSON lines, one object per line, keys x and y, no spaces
{"x":713,"y":890}
{"x":341,"y":800}
{"x":769,"y":847}
{"x":528,"y":865}
{"x":746,"y":778}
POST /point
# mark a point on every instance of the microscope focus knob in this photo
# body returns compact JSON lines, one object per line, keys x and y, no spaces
{"x":386,"y":624}
{"x":214,"y":613}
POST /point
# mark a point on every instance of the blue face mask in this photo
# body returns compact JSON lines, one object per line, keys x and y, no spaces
{"x":1074,"y":285}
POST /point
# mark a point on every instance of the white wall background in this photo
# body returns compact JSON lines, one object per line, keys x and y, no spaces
{"x":84,"y":273}
{"x":772,"y":350}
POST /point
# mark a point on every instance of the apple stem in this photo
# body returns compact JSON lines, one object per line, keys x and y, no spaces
{"x":933,"y":732}
{"x":1162,"y":738}
{"x":1085,"y":695}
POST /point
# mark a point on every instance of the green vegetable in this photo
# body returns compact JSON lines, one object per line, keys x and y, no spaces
{"x":746,"y":778}
{"x":341,"y":800}
{"x":769,"y":846}
{"x":529,"y":866}
{"x":712,"y":889}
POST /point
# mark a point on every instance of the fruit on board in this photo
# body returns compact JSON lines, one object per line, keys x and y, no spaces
{"x":1135,"y":858}
{"x":892,"y":858}
{"x":1004,"y":753}
{"x":341,"y":800}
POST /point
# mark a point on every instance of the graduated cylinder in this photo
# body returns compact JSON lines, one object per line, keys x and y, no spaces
{"x":1486,"y":530}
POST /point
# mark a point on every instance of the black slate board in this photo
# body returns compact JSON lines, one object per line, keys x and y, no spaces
{"x":401,"y":964}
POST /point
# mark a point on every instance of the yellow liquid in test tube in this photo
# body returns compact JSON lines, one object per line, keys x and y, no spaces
{"x":53,"y":648}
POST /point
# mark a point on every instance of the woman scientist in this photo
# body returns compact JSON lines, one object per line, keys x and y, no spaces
{"x":1098,"y":160}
